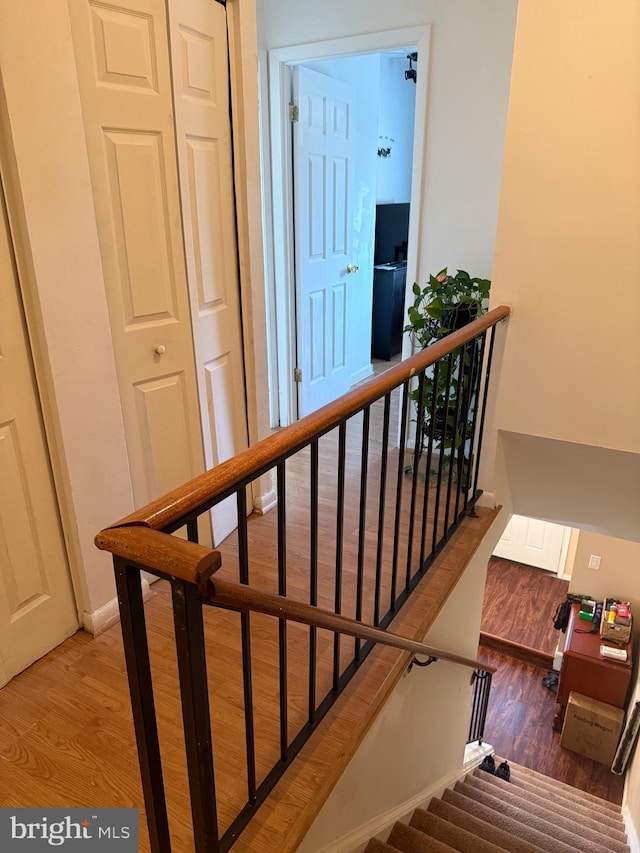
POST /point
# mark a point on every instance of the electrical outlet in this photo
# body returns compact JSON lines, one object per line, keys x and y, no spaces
{"x":594,"y":562}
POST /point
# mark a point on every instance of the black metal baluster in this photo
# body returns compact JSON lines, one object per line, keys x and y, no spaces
{"x":245,"y":627}
{"x":313,"y":579}
{"x":432,"y":424}
{"x":481,"y":340}
{"x":396,"y":527}
{"x":192,"y":672}
{"x":192,"y":528}
{"x":342,"y":445}
{"x":364,"y":468}
{"x":454,"y":434}
{"x":487,"y":374}
{"x":467,"y":399}
{"x":445,"y":412}
{"x":417,"y":453}
{"x":382,"y":506}
{"x":481,"y":682}
{"x":136,"y":652}
{"x":282,"y":623}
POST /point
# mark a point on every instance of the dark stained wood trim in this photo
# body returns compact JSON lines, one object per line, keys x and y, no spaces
{"x":526,"y":654}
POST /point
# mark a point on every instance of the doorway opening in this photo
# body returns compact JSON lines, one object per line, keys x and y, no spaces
{"x":325,"y":202}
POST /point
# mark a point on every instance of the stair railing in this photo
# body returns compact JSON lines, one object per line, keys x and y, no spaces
{"x":481,"y":690}
{"x":413,"y":492}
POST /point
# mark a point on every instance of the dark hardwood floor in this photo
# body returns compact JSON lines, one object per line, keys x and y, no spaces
{"x":519,"y":604}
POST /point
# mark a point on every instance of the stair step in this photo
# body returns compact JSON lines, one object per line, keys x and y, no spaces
{"x":571,"y":832}
{"x":539,"y":804}
{"x":410,"y":840}
{"x":531,"y":786}
{"x":455,"y":836}
{"x":375,"y":846}
{"x":569,"y":790}
{"x":481,"y":828}
{"x":531,"y":813}
{"x":526,"y":831}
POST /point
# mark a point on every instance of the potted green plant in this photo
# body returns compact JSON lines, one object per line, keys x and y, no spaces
{"x":446,"y":303}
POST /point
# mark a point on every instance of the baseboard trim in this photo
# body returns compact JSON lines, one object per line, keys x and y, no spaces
{"x":96,"y":622}
{"x":632,"y":834}
{"x":263,"y":503}
{"x":380,"y":826}
{"x":488,"y":500}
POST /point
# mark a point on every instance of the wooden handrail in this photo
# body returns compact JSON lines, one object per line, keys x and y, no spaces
{"x":226,"y":477}
{"x":242,"y":597}
{"x":170,"y":555}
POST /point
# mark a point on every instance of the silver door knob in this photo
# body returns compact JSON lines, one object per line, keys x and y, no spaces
{"x":160,"y":349}
{"x":352,"y":268}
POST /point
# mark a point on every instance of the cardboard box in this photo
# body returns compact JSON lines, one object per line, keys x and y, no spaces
{"x":591,"y":728}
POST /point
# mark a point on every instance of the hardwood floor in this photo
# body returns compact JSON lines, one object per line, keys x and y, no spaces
{"x":519,"y":727}
{"x":67,"y":737}
{"x":519,"y":604}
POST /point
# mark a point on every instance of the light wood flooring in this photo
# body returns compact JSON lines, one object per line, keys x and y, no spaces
{"x":66,"y":736}
{"x":519,"y":604}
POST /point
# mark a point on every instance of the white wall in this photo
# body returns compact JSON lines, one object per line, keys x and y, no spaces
{"x":468,"y":90}
{"x":396,"y":113}
{"x":618,"y":575}
{"x":567,"y":249}
{"x":420,"y":736}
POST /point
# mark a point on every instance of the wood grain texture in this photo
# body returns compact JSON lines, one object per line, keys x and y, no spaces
{"x":519,"y":604}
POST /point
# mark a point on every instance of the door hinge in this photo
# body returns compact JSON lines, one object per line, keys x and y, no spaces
{"x":297,"y":374}
{"x":294,"y":112}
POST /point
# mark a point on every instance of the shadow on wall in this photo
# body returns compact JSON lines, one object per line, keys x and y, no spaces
{"x":577,"y":485}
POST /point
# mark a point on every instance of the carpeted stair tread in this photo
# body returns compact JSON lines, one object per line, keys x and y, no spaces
{"x":529,"y":786}
{"x":375,"y":846}
{"x":563,"y":786}
{"x":410,"y":840}
{"x":452,"y":834}
{"x":481,"y":828}
{"x":526,"y":831}
{"x":566,"y":813}
{"x":571,"y":832}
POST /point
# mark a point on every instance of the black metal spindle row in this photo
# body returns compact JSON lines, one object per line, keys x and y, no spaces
{"x":447,"y":403}
{"x":481,"y":682}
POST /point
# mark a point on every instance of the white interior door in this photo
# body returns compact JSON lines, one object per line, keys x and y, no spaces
{"x":125,"y":74}
{"x":37,"y":604}
{"x":203,"y":133}
{"x":323,"y":153}
{"x":536,"y":543}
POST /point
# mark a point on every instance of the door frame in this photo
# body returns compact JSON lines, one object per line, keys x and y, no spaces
{"x":281,"y":292}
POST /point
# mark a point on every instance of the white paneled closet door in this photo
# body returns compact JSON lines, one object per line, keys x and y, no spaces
{"x":171,"y":289}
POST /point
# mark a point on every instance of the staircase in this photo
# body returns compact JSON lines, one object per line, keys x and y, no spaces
{"x":530,"y":813}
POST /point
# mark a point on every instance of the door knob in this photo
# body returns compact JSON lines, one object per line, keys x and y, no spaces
{"x":352,"y":268}
{"x":160,"y":349}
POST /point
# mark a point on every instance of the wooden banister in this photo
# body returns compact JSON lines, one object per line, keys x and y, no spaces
{"x":226,"y":477}
{"x":241,"y":597}
{"x":170,"y":555}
